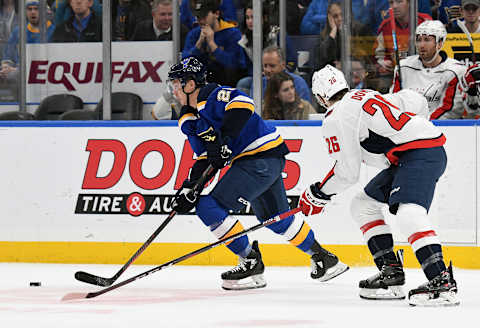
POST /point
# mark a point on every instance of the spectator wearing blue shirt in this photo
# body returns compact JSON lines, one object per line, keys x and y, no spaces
{"x":215,"y":43}
{"x":10,"y":53}
{"x":274,"y":62}
{"x":83,"y":26}
{"x":63,"y":11}
{"x":227,"y":10}
{"x":315,"y":18}
{"x":449,"y":11}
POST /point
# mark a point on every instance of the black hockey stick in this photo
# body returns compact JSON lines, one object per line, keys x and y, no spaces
{"x":74,"y":296}
{"x":395,"y":45}
{"x":100,"y":281}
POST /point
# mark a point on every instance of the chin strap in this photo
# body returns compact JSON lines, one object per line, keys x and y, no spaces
{"x":188,"y":94}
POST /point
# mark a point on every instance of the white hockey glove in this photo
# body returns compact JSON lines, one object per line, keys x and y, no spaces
{"x":313,"y":200}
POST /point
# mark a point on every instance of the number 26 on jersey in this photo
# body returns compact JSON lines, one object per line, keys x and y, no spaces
{"x":332,"y":144}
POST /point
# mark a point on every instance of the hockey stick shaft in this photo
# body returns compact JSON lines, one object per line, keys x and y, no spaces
{"x":100,"y":281}
{"x":395,"y":45}
{"x":268,"y":222}
{"x":464,"y":28}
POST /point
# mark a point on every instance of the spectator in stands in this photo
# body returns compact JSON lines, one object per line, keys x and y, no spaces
{"x":315,"y":18}
{"x":449,"y":11}
{"x":83,"y":26}
{"x":470,"y":11}
{"x":215,"y":43}
{"x":63,"y":11}
{"x":435,"y":5}
{"x":159,"y":27}
{"x":227,"y":10}
{"x":274,"y":62}
{"x":9,"y":68}
{"x":8,"y":20}
{"x":380,"y":8}
{"x":383,"y":47}
{"x":10,"y":52}
{"x":271,"y":37}
{"x":282,"y":102}
{"x":329,"y":49}
{"x":358,"y":74}
{"x":126,"y":14}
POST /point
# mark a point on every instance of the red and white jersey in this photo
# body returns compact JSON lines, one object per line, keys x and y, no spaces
{"x":440,"y":85}
{"x":371,"y":128}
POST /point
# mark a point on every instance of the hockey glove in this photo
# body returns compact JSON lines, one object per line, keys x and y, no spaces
{"x":471,"y":80}
{"x":313,"y":200}
{"x":185,"y":199}
{"x":218,"y":153}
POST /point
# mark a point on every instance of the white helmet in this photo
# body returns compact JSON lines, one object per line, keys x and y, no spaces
{"x":432,"y":27}
{"x":327,"y":82}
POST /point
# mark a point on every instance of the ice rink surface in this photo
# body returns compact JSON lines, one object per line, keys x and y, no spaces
{"x":190,"y":296}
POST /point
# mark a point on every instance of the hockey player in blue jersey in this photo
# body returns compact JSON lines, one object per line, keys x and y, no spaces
{"x":223,"y":128}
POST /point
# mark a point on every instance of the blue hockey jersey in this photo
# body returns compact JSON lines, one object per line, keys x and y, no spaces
{"x":255,"y":137}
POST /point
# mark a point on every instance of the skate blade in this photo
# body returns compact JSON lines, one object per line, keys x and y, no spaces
{"x":252,"y":282}
{"x":391,"y":293}
{"x":427,"y":300}
{"x":334,"y":271}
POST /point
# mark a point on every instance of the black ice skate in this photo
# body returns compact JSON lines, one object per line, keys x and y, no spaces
{"x":248,"y":274}
{"x":326,"y":267}
{"x":440,"y":291}
{"x":387,"y":284}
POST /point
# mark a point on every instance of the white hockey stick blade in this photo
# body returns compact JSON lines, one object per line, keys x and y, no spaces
{"x":73,"y":296}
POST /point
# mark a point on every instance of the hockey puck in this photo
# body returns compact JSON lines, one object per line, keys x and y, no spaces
{"x":35,"y":283}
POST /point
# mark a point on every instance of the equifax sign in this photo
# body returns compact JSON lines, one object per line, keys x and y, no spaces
{"x":69,"y":74}
{"x":129,"y":166}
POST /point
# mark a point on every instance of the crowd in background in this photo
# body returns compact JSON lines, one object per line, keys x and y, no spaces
{"x":219,"y":32}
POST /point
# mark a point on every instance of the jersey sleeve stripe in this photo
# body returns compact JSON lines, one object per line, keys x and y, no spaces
{"x":258,"y":146}
{"x":240,"y":104}
{"x":416,"y":144}
{"x":201,"y":105}
{"x":186,"y":117}
{"x":447,"y":103}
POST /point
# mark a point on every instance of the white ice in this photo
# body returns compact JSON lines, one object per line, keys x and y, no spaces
{"x":190,"y":296}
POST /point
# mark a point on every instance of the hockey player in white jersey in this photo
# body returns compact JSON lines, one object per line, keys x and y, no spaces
{"x":363,"y":126}
{"x":435,"y":76}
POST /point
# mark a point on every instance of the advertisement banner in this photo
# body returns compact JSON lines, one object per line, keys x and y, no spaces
{"x":52,"y":69}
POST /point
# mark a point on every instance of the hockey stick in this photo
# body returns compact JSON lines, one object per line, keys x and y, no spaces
{"x":74,"y":296}
{"x":462,"y":26}
{"x":100,"y":281}
{"x":395,"y":45}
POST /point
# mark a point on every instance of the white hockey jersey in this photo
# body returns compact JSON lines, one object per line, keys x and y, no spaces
{"x":440,"y":85}
{"x":371,"y":128}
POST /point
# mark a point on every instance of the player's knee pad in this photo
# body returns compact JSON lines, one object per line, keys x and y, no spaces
{"x":413,"y":222}
{"x":210,"y":211}
{"x":367,"y":212}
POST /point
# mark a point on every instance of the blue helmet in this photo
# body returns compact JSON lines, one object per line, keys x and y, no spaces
{"x":189,"y":68}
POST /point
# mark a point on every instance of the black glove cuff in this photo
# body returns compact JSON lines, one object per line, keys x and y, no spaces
{"x":318,"y":193}
{"x":188,"y":110}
